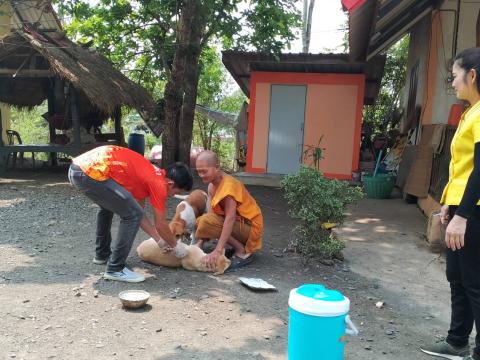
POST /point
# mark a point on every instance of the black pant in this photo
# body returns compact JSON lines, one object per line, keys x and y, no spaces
{"x":112,"y":198}
{"x":463,"y":273}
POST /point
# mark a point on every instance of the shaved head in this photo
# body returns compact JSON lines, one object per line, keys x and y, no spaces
{"x":209,"y":157}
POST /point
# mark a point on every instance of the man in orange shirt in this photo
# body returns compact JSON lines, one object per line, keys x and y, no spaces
{"x":119,"y":180}
{"x":234,"y":217}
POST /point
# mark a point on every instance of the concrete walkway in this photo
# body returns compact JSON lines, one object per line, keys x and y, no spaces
{"x":386,"y":247}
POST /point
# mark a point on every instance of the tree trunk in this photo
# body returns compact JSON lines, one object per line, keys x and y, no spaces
{"x":304,"y":26}
{"x":192,"y":75}
{"x":173,"y":104}
{"x":307,"y":24}
{"x":202,"y":127}
{"x":188,"y":113}
{"x":210,"y":135}
{"x":174,"y":89}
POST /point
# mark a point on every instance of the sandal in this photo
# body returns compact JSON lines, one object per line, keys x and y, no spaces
{"x":237,"y":263}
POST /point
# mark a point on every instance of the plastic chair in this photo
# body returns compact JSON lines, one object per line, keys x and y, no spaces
{"x":12,"y":137}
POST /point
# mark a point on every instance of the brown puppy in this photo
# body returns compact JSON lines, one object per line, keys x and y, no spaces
{"x":194,"y":261}
{"x":186,"y":213}
{"x":149,"y":251}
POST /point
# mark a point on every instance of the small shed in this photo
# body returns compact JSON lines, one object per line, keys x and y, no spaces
{"x":296,"y":99}
{"x":38,"y":62}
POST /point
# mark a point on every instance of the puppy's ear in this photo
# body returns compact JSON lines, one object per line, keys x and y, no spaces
{"x":174,"y":229}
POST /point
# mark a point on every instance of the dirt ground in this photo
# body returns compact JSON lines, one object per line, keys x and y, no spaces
{"x":54,"y":303}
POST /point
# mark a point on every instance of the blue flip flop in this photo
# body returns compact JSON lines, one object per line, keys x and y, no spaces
{"x":238,"y":263}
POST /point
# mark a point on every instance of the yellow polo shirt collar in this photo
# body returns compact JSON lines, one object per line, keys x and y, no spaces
{"x":462,"y":151}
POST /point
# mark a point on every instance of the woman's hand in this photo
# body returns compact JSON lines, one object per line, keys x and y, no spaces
{"x":444,"y":215}
{"x":455,"y":233}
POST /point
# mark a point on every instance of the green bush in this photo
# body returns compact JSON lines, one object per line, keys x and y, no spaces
{"x":32,"y":127}
{"x":315,"y":200}
{"x":225,"y":149}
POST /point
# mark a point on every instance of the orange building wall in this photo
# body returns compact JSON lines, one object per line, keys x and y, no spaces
{"x":262,"y":116}
{"x":333,"y":107}
{"x":331,"y":112}
{"x":430,"y":89}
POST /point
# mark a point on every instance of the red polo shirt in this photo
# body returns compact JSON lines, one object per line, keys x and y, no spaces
{"x":129,"y":169}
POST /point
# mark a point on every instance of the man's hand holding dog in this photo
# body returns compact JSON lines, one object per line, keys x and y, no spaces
{"x":210,"y":260}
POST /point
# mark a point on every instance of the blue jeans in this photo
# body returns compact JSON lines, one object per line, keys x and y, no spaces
{"x":112,"y":199}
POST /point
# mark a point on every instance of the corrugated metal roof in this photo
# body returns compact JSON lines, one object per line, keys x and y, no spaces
{"x":36,"y":13}
{"x":218,"y":116}
{"x":360,"y":23}
{"x":377,"y":24}
{"x":241,"y":64}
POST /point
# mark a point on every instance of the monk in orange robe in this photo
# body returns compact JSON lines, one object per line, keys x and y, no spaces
{"x":234,"y":217}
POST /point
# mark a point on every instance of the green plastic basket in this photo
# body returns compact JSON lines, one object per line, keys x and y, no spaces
{"x":378,"y":187}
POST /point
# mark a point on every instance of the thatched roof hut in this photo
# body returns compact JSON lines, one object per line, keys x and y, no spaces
{"x":33,"y":54}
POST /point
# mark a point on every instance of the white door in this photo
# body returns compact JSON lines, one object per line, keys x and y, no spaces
{"x":285,"y":137}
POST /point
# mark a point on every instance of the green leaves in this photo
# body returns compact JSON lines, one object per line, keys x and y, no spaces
{"x":140,"y":37}
{"x":137,"y":36}
{"x":270,"y":25}
{"x":135,"y":33}
{"x":314,"y":153}
{"x":31,"y":125}
{"x":314,"y":200}
{"x":157,"y":43}
{"x":384,"y":115}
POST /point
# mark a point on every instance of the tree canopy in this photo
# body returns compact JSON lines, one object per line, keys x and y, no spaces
{"x":159,"y":43}
{"x":387,"y":110}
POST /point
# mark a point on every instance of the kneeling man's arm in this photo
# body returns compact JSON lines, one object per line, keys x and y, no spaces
{"x":230,"y":210}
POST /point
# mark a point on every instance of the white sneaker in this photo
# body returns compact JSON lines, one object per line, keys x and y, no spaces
{"x":446,"y":351}
{"x":124,"y":275}
{"x":98,"y":261}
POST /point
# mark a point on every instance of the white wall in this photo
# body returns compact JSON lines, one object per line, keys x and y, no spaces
{"x":417,"y":52}
{"x":444,"y":96}
{"x":467,"y":31}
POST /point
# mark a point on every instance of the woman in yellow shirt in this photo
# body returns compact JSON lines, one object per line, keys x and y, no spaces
{"x":461,"y":211}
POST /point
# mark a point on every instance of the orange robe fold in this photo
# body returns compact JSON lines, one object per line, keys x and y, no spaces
{"x":247,"y":209}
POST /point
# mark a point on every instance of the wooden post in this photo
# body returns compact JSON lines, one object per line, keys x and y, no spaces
{"x":3,"y":156}
{"x":117,"y":118}
{"x":1,"y":128}
{"x":51,"y":111}
{"x":75,"y":116}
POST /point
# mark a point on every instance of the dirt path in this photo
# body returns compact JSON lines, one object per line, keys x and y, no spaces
{"x":55,"y":304}
{"x":387,"y":250}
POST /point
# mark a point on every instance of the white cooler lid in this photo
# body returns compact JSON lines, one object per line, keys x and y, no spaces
{"x":317,"y":300}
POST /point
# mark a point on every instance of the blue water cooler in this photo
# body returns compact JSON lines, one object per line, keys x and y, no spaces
{"x":318,"y":323}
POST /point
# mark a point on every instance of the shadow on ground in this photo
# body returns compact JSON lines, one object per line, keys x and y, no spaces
{"x":55,"y":303}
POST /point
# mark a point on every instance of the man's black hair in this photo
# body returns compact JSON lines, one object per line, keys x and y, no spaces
{"x":181,"y":175}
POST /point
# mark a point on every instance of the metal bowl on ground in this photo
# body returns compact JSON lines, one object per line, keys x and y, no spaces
{"x":134,"y":299}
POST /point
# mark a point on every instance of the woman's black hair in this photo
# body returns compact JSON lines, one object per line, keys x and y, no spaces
{"x":181,"y":175}
{"x":470,"y":59}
